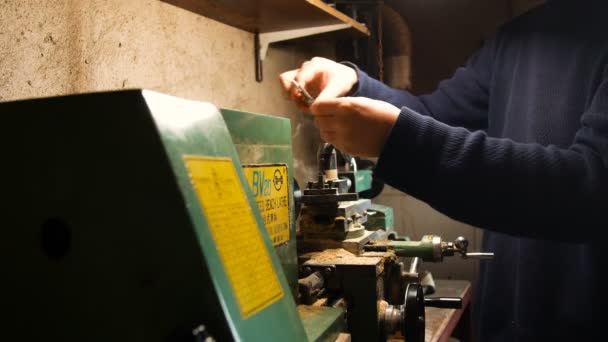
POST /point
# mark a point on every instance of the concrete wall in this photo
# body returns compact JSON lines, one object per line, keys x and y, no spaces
{"x":55,"y":47}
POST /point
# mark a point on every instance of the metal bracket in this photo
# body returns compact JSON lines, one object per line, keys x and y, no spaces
{"x":263,"y":40}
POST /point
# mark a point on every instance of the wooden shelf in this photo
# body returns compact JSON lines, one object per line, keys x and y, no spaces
{"x":262,"y":16}
{"x":275,"y":20}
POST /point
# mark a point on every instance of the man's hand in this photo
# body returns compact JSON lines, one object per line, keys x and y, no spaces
{"x":321,"y":77}
{"x":356,"y":125}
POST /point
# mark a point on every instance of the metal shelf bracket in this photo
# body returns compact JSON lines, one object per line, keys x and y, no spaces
{"x":263,"y":40}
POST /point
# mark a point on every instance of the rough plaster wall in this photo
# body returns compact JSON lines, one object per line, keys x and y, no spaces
{"x":55,"y":47}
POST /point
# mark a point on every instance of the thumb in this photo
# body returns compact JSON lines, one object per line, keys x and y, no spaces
{"x":286,"y":77}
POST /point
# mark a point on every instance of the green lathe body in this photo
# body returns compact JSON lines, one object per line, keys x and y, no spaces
{"x":382,"y":218}
{"x":119,"y":225}
{"x":263,"y":144}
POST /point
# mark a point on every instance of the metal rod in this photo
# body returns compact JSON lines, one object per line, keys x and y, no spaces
{"x":480,"y":256}
{"x":308,"y":99}
{"x":444,"y":302}
{"x":414,"y":265}
{"x":259,"y":72}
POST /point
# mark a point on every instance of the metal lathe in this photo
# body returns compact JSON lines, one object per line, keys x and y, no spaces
{"x":139,"y":216}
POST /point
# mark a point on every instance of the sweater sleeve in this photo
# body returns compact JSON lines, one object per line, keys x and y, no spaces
{"x":516,"y":188}
{"x":459,"y":101}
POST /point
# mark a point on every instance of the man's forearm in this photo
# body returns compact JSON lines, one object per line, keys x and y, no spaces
{"x":516,"y":188}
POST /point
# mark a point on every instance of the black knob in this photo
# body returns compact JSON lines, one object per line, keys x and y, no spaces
{"x":413,"y":314}
{"x":297,"y":198}
{"x":461,"y":243}
{"x":201,"y":334}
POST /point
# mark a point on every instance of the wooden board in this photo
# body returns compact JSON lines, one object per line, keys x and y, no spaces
{"x":270,"y":15}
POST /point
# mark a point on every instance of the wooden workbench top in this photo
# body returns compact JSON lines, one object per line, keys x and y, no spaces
{"x":440,"y":323}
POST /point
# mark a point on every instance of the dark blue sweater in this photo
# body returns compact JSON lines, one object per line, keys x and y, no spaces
{"x":516,"y":142}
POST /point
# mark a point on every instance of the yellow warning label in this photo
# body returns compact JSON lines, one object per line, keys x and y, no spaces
{"x":235,"y":232}
{"x":269,"y":184}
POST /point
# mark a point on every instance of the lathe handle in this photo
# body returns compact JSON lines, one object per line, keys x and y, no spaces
{"x":443,"y":302}
{"x":480,"y":256}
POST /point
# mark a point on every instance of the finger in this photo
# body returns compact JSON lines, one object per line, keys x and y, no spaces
{"x":332,"y":106}
{"x":292,"y":92}
{"x":308,"y":77}
{"x":286,"y":77}
{"x":295,"y":96}
{"x":300,"y":101}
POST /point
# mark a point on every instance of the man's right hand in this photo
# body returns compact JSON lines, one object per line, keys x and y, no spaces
{"x":322,"y":78}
